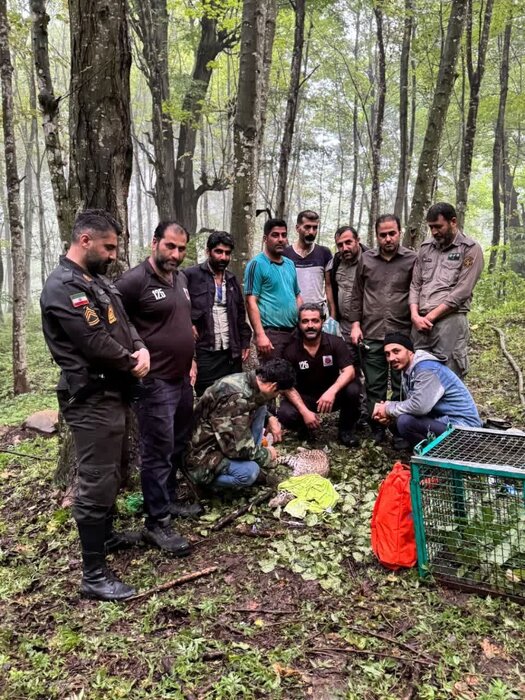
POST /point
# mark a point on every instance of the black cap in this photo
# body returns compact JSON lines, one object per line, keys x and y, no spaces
{"x":398,"y":339}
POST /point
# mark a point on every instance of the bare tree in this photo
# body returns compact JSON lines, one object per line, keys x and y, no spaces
{"x":20,"y":377}
{"x":404,"y":159}
{"x":428,"y":158}
{"x":475,"y":77}
{"x":379,"y":114}
{"x":257,"y":33}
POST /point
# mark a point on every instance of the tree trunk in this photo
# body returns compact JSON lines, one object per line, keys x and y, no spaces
{"x":249,"y":123}
{"x":291,"y":107}
{"x":402,"y":181}
{"x":475,"y":77}
{"x":150,"y":21}
{"x":497,"y":151}
{"x":427,"y":167}
{"x":378,"y":120}
{"x":65,"y":207}
{"x":20,"y":378}
{"x":100,"y":121}
{"x":28,"y":185}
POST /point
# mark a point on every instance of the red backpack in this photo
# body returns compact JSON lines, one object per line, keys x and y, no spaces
{"x":393,"y":537}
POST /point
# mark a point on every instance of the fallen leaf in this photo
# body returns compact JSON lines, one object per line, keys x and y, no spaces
{"x":491,"y":651}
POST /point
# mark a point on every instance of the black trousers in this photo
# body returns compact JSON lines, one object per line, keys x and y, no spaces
{"x":213,"y":365}
{"x":98,"y":425}
{"x":165,"y":416}
{"x":347,"y":403}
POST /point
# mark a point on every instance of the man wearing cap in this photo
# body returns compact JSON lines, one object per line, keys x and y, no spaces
{"x":447,"y":268}
{"x":434,"y":396}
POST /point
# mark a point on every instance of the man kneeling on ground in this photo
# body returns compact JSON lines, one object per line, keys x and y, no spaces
{"x":326,"y":379}
{"x":225,"y":451}
{"x":435,"y":396}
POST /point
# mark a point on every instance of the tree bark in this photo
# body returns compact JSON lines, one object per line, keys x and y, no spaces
{"x":299,"y":7}
{"x":258,"y":26}
{"x":475,"y":77}
{"x":402,"y":181}
{"x":49,"y":105}
{"x":100,"y":119}
{"x":20,"y":377}
{"x":379,"y":114}
{"x":28,"y":184}
{"x":428,"y":159}
{"x":497,"y":151}
{"x":150,"y":21}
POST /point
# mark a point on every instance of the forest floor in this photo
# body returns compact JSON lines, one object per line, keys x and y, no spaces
{"x":290,"y":610}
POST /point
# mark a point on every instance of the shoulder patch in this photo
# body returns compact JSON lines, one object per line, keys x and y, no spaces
{"x":79,"y":299}
{"x":468,"y":261}
{"x":91,"y":316}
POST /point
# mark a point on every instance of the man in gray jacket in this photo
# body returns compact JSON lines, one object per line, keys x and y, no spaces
{"x":432,"y":395}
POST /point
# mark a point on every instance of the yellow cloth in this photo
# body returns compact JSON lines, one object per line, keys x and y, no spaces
{"x":313,"y":493}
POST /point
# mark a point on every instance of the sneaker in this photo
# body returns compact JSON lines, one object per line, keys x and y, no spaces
{"x":348,"y":438}
{"x":378,"y":435}
{"x":186,"y":510}
{"x":400,"y":443}
{"x":163,"y":536}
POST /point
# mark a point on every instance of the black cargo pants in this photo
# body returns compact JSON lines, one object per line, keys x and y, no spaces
{"x":98,"y":425}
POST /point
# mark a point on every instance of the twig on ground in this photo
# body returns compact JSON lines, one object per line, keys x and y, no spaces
{"x":264,"y":611}
{"x":253,"y":531}
{"x":22,"y":454}
{"x":261,"y":498}
{"x":512,"y":362}
{"x":392,"y":640}
{"x":175,"y":582}
{"x":366,"y":652}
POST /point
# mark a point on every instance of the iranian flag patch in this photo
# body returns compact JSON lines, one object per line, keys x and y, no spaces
{"x":79,"y":299}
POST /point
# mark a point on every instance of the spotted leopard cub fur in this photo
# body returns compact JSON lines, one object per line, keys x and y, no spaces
{"x":304,"y":462}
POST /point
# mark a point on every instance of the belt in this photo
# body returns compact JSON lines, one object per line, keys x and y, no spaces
{"x":283,"y":329}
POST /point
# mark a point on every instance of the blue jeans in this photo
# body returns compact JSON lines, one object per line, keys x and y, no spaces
{"x":416,"y":428}
{"x":165,"y":415}
{"x":239,"y":473}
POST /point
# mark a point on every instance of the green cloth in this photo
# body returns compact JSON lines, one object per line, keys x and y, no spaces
{"x":313,"y":493}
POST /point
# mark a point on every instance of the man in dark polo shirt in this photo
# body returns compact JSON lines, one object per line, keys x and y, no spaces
{"x":326,"y":379}
{"x":156,"y":297}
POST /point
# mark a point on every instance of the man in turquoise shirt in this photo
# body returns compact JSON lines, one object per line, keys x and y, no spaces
{"x":272,"y":293}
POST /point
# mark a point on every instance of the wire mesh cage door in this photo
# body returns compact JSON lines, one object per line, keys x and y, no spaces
{"x":469,"y":517}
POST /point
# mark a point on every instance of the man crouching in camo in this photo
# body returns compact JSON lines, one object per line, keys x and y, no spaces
{"x":225,"y":451}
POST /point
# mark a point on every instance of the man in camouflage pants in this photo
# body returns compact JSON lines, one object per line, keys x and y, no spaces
{"x":225,"y":451}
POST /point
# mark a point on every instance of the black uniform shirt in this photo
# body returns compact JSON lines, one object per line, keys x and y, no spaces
{"x":316,"y":374}
{"x":85,"y":326}
{"x":162,"y":314}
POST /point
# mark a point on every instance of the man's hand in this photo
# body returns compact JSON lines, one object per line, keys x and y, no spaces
{"x":142,"y":367}
{"x":263,"y":344}
{"x":379,"y":413}
{"x":325,"y":403}
{"x":422,"y":323}
{"x":245,"y":354}
{"x":195,"y":333}
{"x":356,"y":335}
{"x":274,"y":427}
{"x":311,"y":420}
{"x":273,"y":453}
{"x":193,"y":372}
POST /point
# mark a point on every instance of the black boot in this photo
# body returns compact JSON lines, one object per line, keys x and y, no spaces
{"x":115,"y":541}
{"x":99,"y":583}
{"x":160,"y":534}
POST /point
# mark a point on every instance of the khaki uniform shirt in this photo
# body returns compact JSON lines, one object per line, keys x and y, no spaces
{"x":446,"y":276}
{"x":380,"y":294}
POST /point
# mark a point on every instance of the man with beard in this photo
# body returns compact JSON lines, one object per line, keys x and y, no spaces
{"x":447,"y":268}
{"x":312,"y":263}
{"x":101,"y":357}
{"x":379,"y":306}
{"x":433,"y":396}
{"x":272,"y":293}
{"x":342,"y":275}
{"x":326,"y":379}
{"x":156,"y":297}
{"x":218,"y":314}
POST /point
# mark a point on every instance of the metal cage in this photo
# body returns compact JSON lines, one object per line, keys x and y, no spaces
{"x":468,"y":501}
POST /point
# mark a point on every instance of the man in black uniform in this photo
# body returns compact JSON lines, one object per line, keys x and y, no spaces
{"x":155,"y":295}
{"x":326,"y":379}
{"x":101,"y":357}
